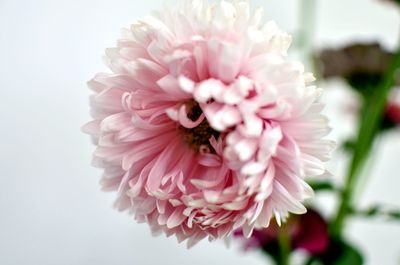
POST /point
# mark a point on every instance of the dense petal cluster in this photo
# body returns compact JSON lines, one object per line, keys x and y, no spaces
{"x":204,"y":126}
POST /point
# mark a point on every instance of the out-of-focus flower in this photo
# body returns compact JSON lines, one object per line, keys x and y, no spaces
{"x":392,"y":113}
{"x":204,"y":126}
{"x":308,"y":232}
{"x":358,"y":58}
{"x":363,"y":65}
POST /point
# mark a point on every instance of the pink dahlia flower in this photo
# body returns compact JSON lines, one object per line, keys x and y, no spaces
{"x":203,"y":126}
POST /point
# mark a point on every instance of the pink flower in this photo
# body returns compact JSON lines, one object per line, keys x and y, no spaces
{"x":392,"y":114}
{"x":204,"y":126}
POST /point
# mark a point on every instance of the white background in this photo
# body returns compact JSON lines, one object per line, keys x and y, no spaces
{"x":51,"y":208}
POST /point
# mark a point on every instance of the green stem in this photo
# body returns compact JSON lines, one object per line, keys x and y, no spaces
{"x":373,"y":112}
{"x":284,"y":246}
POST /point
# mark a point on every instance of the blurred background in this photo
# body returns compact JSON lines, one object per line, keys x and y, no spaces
{"x":51,"y":208}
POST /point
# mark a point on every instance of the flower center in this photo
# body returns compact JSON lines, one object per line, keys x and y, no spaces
{"x":198,"y":137}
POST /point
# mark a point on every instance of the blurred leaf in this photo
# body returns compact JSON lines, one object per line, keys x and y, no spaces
{"x":350,"y":256}
{"x":378,"y":211}
{"x":365,"y":83}
{"x":395,"y":215}
{"x":341,"y":253}
{"x":349,"y":145}
{"x":322,"y":186}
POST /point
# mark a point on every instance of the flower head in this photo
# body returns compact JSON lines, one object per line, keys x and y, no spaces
{"x":362,"y":65}
{"x":356,"y":58}
{"x":392,"y":113}
{"x":204,"y":126}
